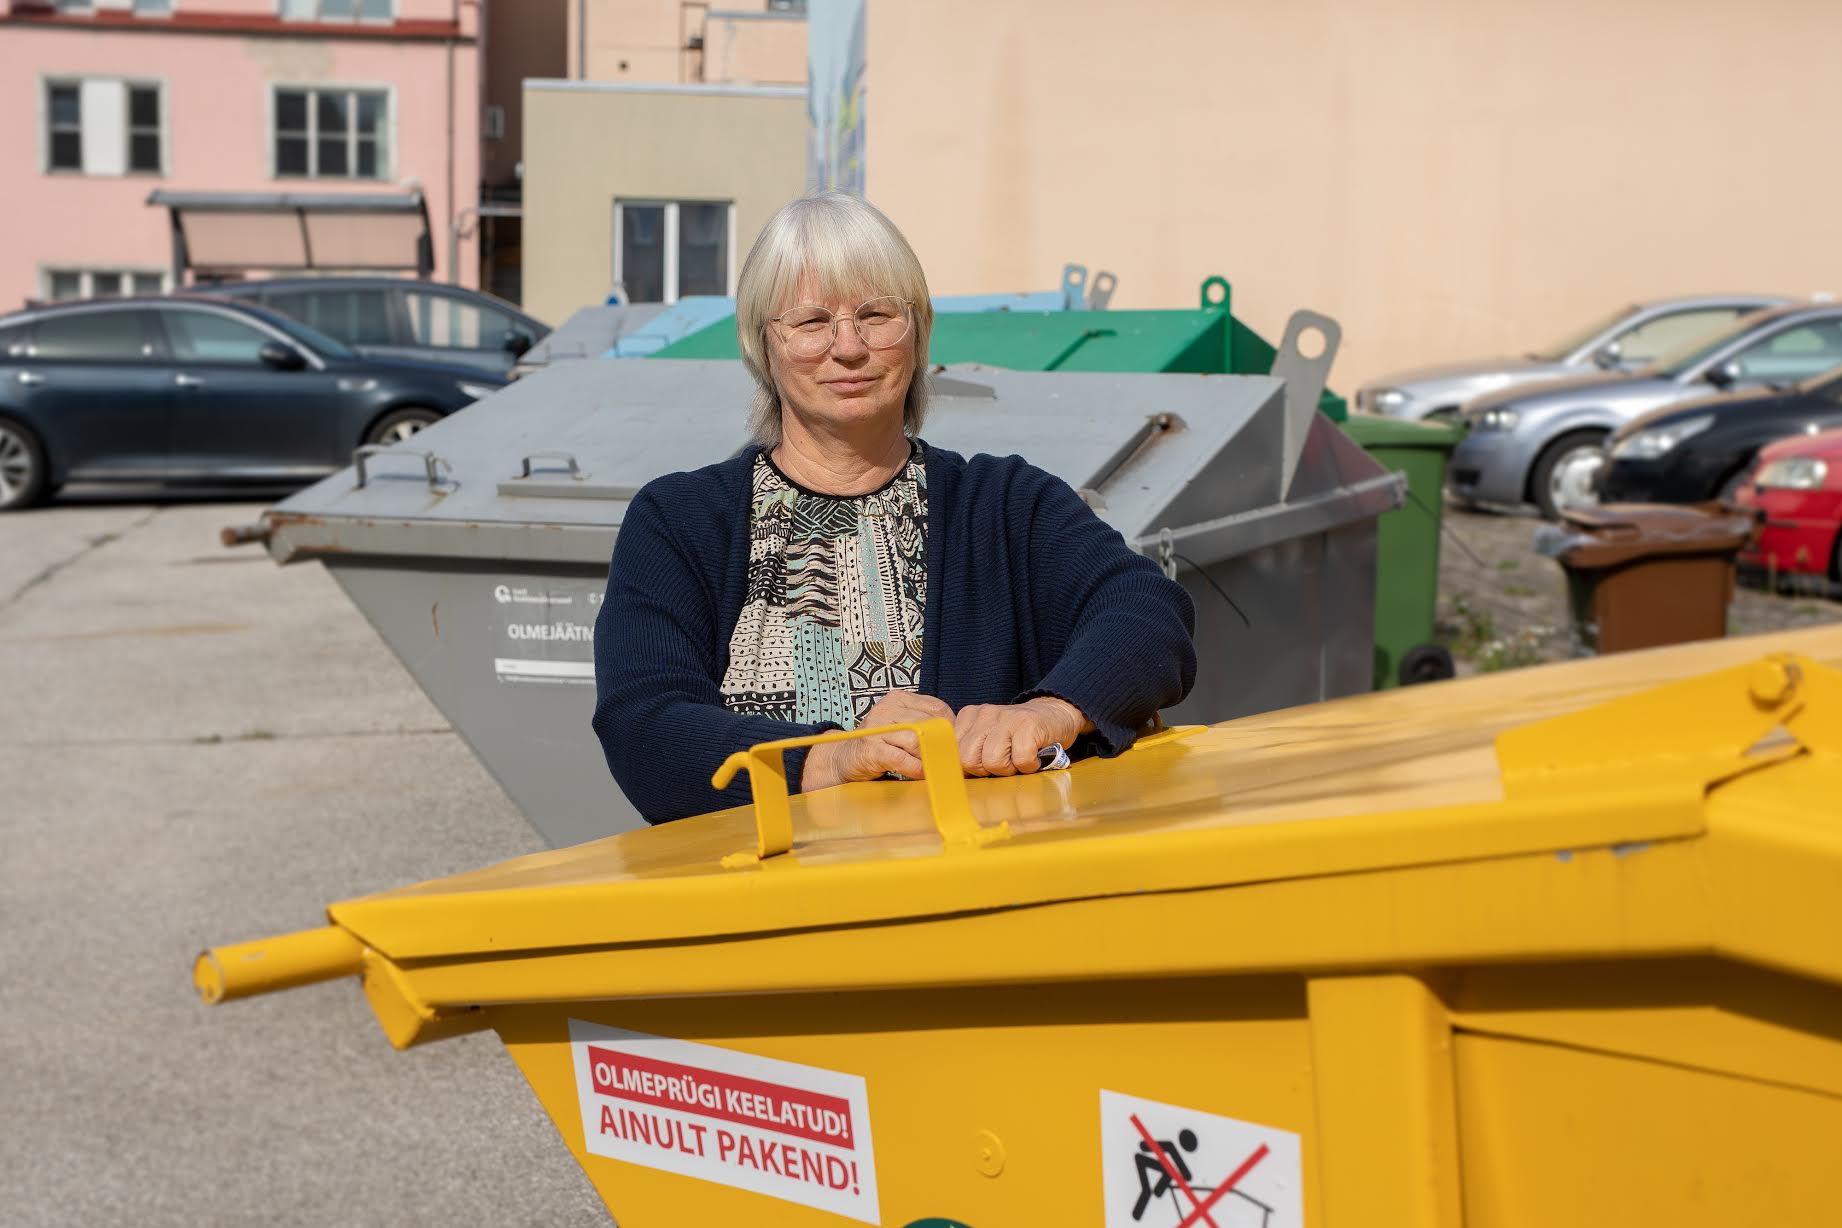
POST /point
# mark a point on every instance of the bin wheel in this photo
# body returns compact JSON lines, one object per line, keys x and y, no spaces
{"x":400,"y":425}
{"x":1426,"y":663}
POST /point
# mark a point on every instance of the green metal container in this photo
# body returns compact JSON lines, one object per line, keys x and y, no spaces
{"x":1208,"y":340}
{"x":1407,"y":546}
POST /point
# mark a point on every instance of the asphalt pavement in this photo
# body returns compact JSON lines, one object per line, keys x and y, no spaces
{"x":199,"y":747}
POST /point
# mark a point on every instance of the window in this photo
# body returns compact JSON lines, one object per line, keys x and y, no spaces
{"x":664,"y":250}
{"x":65,"y":284}
{"x":1659,"y":335}
{"x":1795,"y":353}
{"x":356,"y":317}
{"x":153,"y":8}
{"x":64,"y":120}
{"x":206,"y":336}
{"x":104,"y":126}
{"x":451,"y":323}
{"x":15,"y":342}
{"x":338,"y":10}
{"x":492,"y":124}
{"x":93,"y":336}
{"x":331,"y":134}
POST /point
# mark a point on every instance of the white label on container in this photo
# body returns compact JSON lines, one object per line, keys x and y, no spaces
{"x":776,"y":1128}
{"x":545,"y":630}
{"x":1164,"y":1166}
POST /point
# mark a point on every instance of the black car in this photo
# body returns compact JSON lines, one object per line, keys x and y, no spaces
{"x":399,"y":317}
{"x":198,"y":389}
{"x":1701,"y":449}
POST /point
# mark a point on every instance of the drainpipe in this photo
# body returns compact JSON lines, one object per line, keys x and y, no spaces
{"x":453,"y":273}
{"x":581,"y":40}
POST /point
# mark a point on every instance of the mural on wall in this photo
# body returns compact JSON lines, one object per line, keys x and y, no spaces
{"x":834,"y":95}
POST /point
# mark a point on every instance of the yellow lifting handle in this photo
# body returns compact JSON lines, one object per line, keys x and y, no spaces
{"x":225,"y":973}
{"x":946,"y":787}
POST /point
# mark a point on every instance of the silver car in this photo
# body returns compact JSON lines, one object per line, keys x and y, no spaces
{"x":1630,"y":338}
{"x":1543,"y":445}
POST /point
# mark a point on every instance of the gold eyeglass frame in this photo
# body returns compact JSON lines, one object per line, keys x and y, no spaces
{"x":908,"y":321}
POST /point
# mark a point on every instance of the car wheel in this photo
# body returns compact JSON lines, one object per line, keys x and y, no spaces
{"x":398,"y":425}
{"x":22,"y":466}
{"x":1566,"y":472}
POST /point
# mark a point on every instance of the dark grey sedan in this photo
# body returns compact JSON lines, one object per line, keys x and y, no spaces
{"x":194,"y":389}
{"x":396,"y":317}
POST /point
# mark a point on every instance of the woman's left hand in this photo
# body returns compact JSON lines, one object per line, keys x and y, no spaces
{"x":1003,"y":739}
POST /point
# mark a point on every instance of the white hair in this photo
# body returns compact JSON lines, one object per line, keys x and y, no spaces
{"x":844,"y":247}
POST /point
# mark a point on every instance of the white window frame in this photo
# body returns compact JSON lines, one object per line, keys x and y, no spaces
{"x":157,"y":84}
{"x":669,"y":288}
{"x":387,"y":165}
{"x":319,"y":14}
{"x":86,"y":274}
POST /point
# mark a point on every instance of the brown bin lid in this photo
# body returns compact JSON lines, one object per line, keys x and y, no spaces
{"x":1624,"y":532}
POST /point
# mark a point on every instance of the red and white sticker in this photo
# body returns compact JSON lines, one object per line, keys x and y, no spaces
{"x":1165,"y":1166}
{"x":776,"y":1128}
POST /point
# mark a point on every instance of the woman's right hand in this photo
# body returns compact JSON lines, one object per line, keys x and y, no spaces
{"x":836,"y":763}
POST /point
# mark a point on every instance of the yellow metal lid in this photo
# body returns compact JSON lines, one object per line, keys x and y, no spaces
{"x":1598,"y":759}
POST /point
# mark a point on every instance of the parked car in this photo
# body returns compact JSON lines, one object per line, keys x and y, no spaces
{"x":1630,"y":338}
{"x":198,"y":389}
{"x":397,"y":316}
{"x":1797,"y":486}
{"x":1702,"y":449}
{"x":1544,"y":445}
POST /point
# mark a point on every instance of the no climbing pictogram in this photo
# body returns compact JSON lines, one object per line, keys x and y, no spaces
{"x":1167,"y":1166}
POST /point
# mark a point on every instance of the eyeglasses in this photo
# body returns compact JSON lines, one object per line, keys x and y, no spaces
{"x":810,"y":331}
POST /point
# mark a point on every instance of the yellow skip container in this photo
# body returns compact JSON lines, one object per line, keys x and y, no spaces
{"x":1562,"y":946}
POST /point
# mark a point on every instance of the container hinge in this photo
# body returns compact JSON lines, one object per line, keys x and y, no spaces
{"x":1696,"y":732}
{"x":767,"y":779}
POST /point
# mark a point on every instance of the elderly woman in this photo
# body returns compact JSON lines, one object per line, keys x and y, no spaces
{"x":841,"y":573}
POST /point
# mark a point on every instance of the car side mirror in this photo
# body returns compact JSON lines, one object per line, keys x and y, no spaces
{"x":1724,"y":374}
{"x":281,"y":357}
{"x":1609,"y":357}
{"x":517,"y":341}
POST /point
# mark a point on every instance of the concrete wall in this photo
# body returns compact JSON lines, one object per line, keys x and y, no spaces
{"x":587,"y":143}
{"x":216,"y":69}
{"x":1447,"y":178}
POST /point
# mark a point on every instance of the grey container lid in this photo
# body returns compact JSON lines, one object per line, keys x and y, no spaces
{"x":543,"y":470}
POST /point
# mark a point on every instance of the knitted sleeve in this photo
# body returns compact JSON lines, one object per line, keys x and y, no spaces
{"x":1124,"y":629}
{"x":659,"y":654}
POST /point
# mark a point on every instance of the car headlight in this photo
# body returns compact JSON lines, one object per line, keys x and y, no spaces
{"x":1793,"y":473}
{"x":1498,"y":420}
{"x":1387,"y":400}
{"x":1659,"y":440}
{"x":476,"y":392}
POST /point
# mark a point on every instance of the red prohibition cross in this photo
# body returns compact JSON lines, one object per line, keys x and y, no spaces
{"x":1201,"y":1205}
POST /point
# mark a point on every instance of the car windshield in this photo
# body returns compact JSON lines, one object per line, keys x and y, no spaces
{"x":1691,"y":353}
{"x":1574,"y":340}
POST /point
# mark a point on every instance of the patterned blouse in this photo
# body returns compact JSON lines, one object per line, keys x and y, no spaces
{"x":837,"y":587}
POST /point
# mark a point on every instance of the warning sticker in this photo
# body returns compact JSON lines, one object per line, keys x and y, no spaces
{"x":777,"y":1128}
{"x":1170,"y":1167}
{"x":545,"y":631}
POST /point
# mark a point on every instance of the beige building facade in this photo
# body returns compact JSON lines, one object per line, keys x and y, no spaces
{"x":660,"y":187}
{"x":683,"y":42}
{"x":1447,"y":179}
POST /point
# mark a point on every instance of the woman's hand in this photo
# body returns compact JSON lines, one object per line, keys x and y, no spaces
{"x":1002,"y":739}
{"x":836,"y":763}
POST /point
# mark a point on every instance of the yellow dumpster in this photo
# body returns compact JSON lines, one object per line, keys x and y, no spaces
{"x":1561,"y":947}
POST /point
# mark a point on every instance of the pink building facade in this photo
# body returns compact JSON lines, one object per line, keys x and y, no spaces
{"x":110,"y":100}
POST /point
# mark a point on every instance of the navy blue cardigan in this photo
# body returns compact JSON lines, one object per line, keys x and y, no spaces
{"x":1028,"y":593}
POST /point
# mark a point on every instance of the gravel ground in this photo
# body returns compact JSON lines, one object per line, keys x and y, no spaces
{"x":1502,"y":605}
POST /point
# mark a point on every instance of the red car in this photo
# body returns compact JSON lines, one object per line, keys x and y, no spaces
{"x":1797,"y":483}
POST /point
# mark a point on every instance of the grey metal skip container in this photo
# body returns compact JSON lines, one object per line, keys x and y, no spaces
{"x":479,"y":549}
